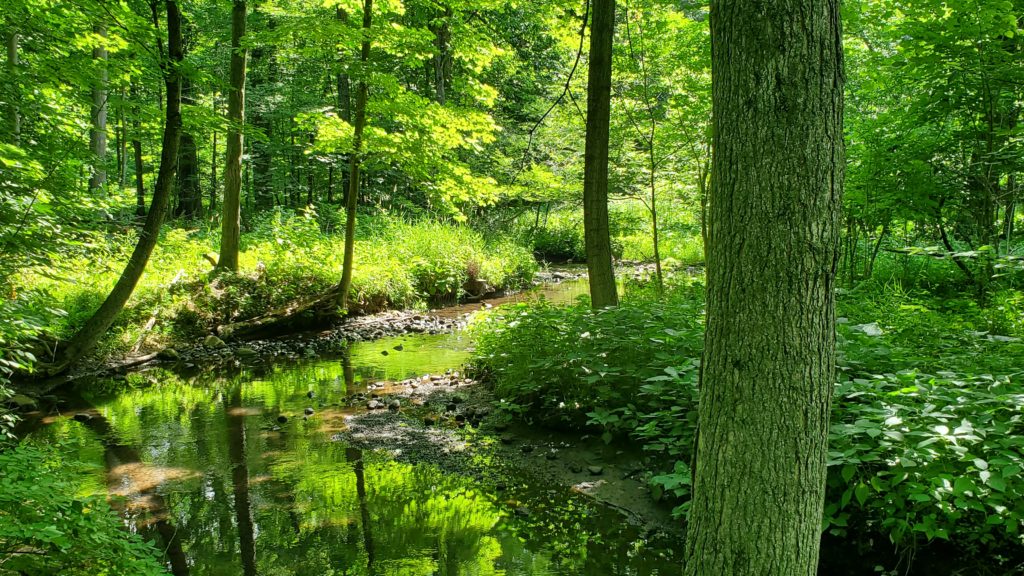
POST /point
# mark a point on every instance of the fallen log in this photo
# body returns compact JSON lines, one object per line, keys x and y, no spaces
{"x":307,"y":313}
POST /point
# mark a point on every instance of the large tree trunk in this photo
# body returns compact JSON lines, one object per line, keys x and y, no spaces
{"x":231,"y":218}
{"x":89,"y":335}
{"x":13,"y":112}
{"x":190,"y":196}
{"x":98,"y":132}
{"x":768,"y":369}
{"x":595,"y":176}
{"x":357,"y":149}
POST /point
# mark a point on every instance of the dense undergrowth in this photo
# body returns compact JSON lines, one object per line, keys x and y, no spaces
{"x":927,"y":437}
{"x":557,"y":236}
{"x":284,"y":257}
{"x":47,"y":528}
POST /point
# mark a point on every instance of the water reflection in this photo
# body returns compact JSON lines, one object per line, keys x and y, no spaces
{"x":230,"y":476}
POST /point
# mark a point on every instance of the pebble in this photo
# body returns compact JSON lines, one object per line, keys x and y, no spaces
{"x":308,"y":411}
{"x":595,"y":470}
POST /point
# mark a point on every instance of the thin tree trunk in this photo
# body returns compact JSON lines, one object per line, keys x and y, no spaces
{"x":442,"y":58}
{"x":357,"y":149}
{"x":122,"y":142}
{"x":654,"y":214}
{"x":330,"y":184}
{"x":595,"y":179}
{"x":13,"y":112}
{"x":310,"y":165}
{"x":97,"y":325}
{"x":231,"y":218}
{"x":769,"y":355}
{"x":140,"y":187}
{"x":213,"y":173}
{"x":98,"y":133}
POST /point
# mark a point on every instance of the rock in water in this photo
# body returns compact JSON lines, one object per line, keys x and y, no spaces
{"x":399,"y":348}
{"x":374,"y":405}
{"x":212,"y":341}
{"x":282,"y":418}
{"x":308,"y":411}
{"x":394,"y":406}
{"x":595,"y":470}
{"x":245,"y":352}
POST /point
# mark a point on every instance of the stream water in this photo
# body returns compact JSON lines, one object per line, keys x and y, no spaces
{"x":226,"y":472}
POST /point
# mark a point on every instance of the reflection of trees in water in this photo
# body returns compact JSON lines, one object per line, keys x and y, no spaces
{"x":154,"y":511}
{"x":293,"y":501}
{"x":240,"y":481}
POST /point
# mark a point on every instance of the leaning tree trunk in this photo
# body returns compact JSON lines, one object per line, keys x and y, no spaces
{"x":98,"y":132}
{"x":777,"y":175}
{"x":231,"y":219}
{"x":595,"y":175}
{"x":89,"y":335}
{"x":357,"y":149}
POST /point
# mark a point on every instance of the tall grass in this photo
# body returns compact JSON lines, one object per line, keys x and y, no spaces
{"x":284,"y":256}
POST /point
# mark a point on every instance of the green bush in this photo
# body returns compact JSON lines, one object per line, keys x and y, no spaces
{"x":919,"y":456}
{"x":927,"y":436}
{"x":46,"y":529}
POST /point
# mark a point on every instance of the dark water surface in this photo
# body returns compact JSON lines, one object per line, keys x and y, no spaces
{"x":202,"y":464}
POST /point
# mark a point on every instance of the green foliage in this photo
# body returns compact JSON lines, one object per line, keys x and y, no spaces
{"x":926,"y":441}
{"x":919,"y":456}
{"x":21,"y":324}
{"x":46,"y":529}
{"x":629,"y":371}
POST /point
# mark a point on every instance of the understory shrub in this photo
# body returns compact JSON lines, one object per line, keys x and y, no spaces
{"x":927,"y":436}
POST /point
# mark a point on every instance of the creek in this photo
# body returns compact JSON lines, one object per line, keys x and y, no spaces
{"x":253,"y":469}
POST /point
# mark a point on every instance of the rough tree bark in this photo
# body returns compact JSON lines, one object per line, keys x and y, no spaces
{"x":357,"y":147}
{"x":766,"y":385}
{"x":190,"y":196}
{"x":98,"y":132}
{"x":231,"y":217}
{"x":595,"y":176}
{"x":89,"y":335}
